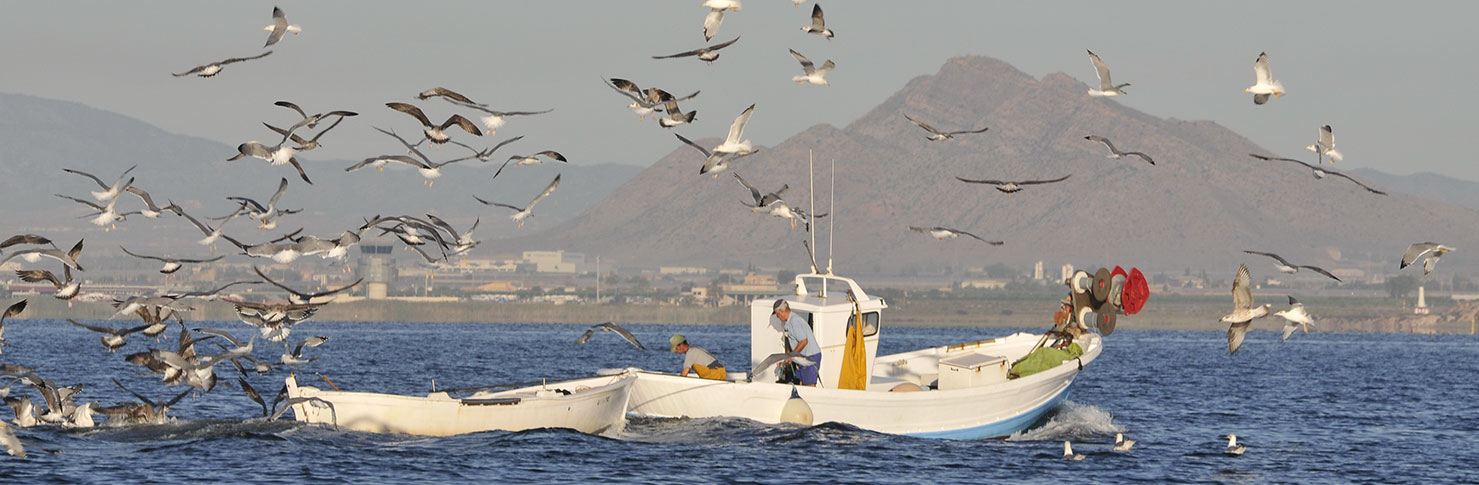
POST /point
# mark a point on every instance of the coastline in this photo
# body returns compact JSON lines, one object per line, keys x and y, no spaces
{"x":1166,"y":313}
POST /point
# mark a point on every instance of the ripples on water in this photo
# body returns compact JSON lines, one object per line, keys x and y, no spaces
{"x":1337,"y":408}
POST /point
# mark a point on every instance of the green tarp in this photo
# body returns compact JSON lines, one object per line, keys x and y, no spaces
{"x":1043,"y":359}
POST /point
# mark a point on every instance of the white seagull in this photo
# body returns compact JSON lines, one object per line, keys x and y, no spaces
{"x":1296,"y":318}
{"x":65,"y":289}
{"x":1233,"y":447}
{"x":171,"y":265}
{"x":1106,"y":87}
{"x":716,"y":15}
{"x":943,"y":233}
{"x":1326,"y":145}
{"x":1122,"y":444}
{"x":1429,"y":252}
{"x":1068,"y":453}
{"x":1320,"y":173}
{"x":1243,"y":310}
{"x":714,"y":162}
{"x":1115,"y":153}
{"x":109,"y":191}
{"x":937,"y":135}
{"x":818,"y":24}
{"x":813,"y":74}
{"x":530,"y":160}
{"x":1286,"y":267}
{"x":707,"y":54}
{"x":613,"y":328}
{"x":528,"y":210}
{"x":732,"y":143}
{"x":1265,"y":84}
{"x":279,"y":27}
{"x":1012,"y":187}
{"x":210,"y":70}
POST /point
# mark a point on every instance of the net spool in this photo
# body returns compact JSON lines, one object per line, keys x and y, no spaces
{"x":1135,"y":292}
{"x":1105,"y":320}
{"x":1117,"y":280}
{"x":1100,"y":285}
{"x":1080,"y":282}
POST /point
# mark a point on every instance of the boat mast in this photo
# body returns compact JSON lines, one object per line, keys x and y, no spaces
{"x":811,"y":215}
{"x":831,"y":216}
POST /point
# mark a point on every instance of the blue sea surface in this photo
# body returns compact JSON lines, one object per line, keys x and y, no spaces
{"x":1320,"y":408}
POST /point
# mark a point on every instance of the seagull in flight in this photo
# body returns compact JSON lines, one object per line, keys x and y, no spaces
{"x":707,"y":54}
{"x":279,"y":154}
{"x":811,"y":73}
{"x":1012,"y":187}
{"x":732,"y":143}
{"x":13,"y":310}
{"x":528,"y":210}
{"x":1320,"y":173}
{"x":1428,"y":252}
{"x":937,"y":135}
{"x":776,"y":358}
{"x":1243,"y":312}
{"x":1264,"y":84}
{"x":495,"y":118}
{"x":279,"y":27}
{"x":761,"y":201}
{"x":943,"y":233}
{"x":66,"y":289}
{"x":714,"y":162}
{"x":1326,"y":145}
{"x":109,"y":192}
{"x":210,"y":70}
{"x":610,"y":327}
{"x":1296,"y":317}
{"x":716,"y":15}
{"x":171,"y":265}
{"x":1106,"y":86}
{"x":1287,"y":268}
{"x":818,"y":24}
{"x":434,"y":132}
{"x":68,"y":258}
{"x":644,"y":101}
{"x":311,"y":121}
{"x":1115,"y":153}
{"x":530,"y":160}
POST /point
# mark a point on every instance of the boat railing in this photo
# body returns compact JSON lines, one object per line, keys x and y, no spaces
{"x":801,"y":288}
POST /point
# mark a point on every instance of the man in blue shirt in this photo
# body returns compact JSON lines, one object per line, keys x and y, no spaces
{"x":799,"y":338}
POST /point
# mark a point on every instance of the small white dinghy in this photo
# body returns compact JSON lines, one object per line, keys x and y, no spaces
{"x":590,"y":405}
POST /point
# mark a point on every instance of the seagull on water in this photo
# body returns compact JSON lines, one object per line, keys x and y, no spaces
{"x":1326,"y":145}
{"x":716,"y":15}
{"x":812,"y":74}
{"x":65,"y":289}
{"x":530,"y":160}
{"x":943,"y":233}
{"x":1115,"y":153}
{"x":1122,"y":444}
{"x":1265,"y":84}
{"x":1243,"y":312}
{"x":109,"y":192}
{"x":1296,"y":318}
{"x":528,"y":210}
{"x":707,"y":54}
{"x":1068,"y":453}
{"x":1287,"y":268}
{"x":1012,"y":187}
{"x":1320,"y":173}
{"x":1429,"y":252}
{"x":1233,"y":447}
{"x":210,"y":70}
{"x":434,"y":132}
{"x":1106,"y":86}
{"x":937,"y":135}
{"x":610,"y":327}
{"x":818,"y":24}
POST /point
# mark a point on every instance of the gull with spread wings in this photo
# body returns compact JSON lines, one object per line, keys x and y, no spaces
{"x":522,"y":213}
{"x":1012,"y":187}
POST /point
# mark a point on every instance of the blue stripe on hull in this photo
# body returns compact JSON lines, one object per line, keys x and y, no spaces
{"x":1003,"y":428}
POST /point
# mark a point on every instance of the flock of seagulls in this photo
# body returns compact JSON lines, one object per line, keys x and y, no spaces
{"x":431,"y":236}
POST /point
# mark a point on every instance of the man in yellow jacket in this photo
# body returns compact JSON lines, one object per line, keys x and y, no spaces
{"x":697,"y":360}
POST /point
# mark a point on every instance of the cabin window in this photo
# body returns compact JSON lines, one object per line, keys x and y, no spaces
{"x":870,"y":323}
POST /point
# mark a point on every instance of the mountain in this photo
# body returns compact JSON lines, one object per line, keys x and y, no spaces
{"x":1425,"y":185}
{"x":1202,"y":203}
{"x":42,"y":136}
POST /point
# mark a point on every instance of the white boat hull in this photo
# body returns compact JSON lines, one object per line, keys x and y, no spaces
{"x":594,"y":405}
{"x":989,"y":411}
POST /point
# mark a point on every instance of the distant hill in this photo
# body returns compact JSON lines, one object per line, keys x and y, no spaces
{"x":1424,"y":185}
{"x":1203,"y":202}
{"x":42,"y":136}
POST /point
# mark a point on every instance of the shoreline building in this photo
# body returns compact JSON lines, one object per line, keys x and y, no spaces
{"x":377,"y":267}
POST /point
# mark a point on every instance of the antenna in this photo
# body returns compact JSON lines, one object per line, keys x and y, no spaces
{"x":811,"y":213}
{"x":831,"y":216}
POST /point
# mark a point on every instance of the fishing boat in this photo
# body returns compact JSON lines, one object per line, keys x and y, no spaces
{"x":591,"y":405}
{"x":971,"y":390}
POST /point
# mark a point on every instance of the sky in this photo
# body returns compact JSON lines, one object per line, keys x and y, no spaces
{"x":1394,"y":80}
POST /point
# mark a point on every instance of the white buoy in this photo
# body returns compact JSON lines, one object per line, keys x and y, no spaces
{"x":796,"y":410}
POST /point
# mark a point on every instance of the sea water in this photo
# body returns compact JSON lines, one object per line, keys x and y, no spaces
{"x":1320,"y":408}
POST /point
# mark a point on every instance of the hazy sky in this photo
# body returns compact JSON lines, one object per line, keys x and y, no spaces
{"x":1395,"y":80}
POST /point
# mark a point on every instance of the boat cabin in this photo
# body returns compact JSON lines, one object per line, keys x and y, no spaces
{"x":822,"y":300}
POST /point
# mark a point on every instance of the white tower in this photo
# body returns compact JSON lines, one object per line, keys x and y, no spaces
{"x":1037,"y":271}
{"x":1422,"y":302}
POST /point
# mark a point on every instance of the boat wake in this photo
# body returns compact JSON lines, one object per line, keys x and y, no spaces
{"x":1072,"y":421}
